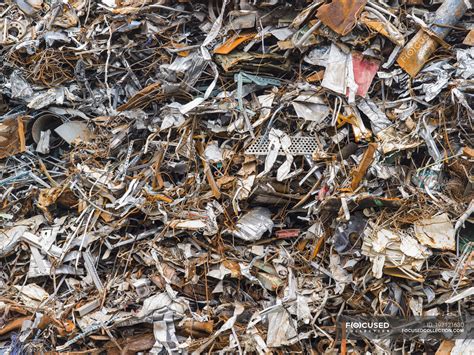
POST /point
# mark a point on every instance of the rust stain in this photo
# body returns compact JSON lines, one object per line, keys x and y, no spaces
{"x":192,"y":327}
{"x":341,"y":15}
{"x":361,"y":170}
{"x":183,"y":53}
{"x":158,"y":197}
{"x":12,"y":137}
{"x":317,"y":247}
{"x":318,"y":76}
{"x":233,"y":266}
{"x":468,"y":151}
{"x":385,"y":29}
{"x":233,"y":42}
{"x":469,"y":40}
{"x":416,"y":53}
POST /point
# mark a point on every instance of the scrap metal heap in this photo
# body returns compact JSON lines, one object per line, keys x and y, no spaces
{"x":233,"y":176}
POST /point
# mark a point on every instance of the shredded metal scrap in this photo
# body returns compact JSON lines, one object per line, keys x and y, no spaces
{"x":233,"y":176}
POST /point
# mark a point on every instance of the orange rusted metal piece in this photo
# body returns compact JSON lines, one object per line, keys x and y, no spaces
{"x":469,"y":40}
{"x":419,"y":50}
{"x":384,"y":28}
{"x":12,"y":137}
{"x":233,"y":42}
{"x":341,"y":15}
{"x":361,"y":170}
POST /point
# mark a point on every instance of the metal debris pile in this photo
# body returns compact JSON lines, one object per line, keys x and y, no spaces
{"x":233,"y":176}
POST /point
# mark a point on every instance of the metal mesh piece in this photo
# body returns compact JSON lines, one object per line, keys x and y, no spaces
{"x":299,"y":146}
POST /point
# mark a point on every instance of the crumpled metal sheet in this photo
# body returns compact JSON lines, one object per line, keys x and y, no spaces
{"x":192,"y":177}
{"x":341,"y":15}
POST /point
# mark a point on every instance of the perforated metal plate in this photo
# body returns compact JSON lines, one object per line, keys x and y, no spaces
{"x":14,"y":31}
{"x":299,"y":146}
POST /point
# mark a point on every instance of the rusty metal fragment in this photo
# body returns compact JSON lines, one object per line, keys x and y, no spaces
{"x":233,"y":43}
{"x":384,"y":28}
{"x":12,"y":137}
{"x":420,"y":48}
{"x":469,"y":40}
{"x":236,"y":176}
{"x":361,"y":170}
{"x":341,"y":15}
